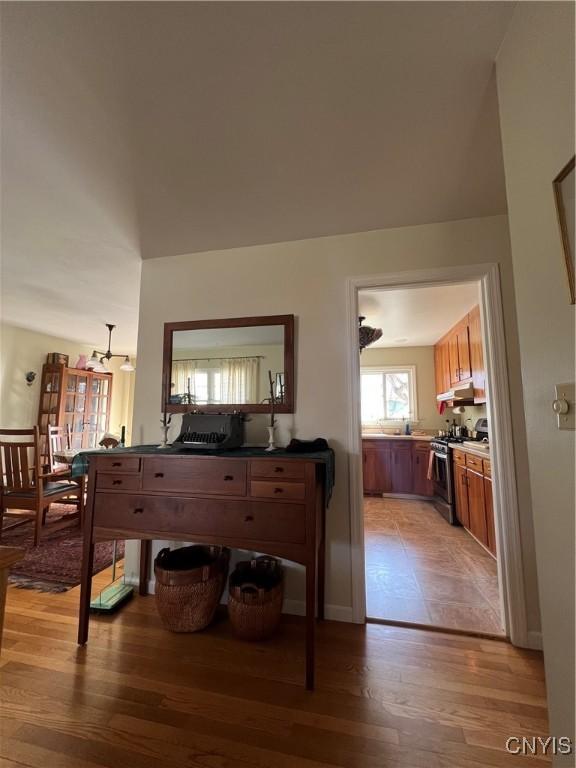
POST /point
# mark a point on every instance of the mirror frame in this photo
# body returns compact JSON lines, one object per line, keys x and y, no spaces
{"x":287,"y":321}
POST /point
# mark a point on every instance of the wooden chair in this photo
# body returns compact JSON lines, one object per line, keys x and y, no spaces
{"x":23,"y":484}
{"x":58,"y":440}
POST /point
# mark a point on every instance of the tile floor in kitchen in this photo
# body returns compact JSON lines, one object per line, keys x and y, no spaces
{"x":420,"y":569}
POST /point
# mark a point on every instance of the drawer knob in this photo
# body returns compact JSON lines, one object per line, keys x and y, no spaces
{"x":158,"y":474}
{"x":278,"y":469}
{"x":278,"y":490}
{"x":248,"y":518}
{"x":228,"y":477}
{"x":116,"y":463}
{"x":138,"y":510}
{"x":116,"y":482}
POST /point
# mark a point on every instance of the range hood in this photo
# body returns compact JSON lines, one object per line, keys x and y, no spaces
{"x":465,"y":392}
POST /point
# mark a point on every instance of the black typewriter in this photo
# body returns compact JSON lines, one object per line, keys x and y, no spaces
{"x":211,"y":431}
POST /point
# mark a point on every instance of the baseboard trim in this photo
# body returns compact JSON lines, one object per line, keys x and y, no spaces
{"x":534,"y":640}
{"x":292,"y":607}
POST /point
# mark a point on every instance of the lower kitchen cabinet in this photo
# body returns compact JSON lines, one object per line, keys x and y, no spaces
{"x":461,"y":495}
{"x":473,"y":498}
{"x":476,"y":508}
{"x":490,"y":526}
{"x":396,"y":466}
{"x":401,"y":467}
{"x":376,"y":467}
{"x":420,"y":460}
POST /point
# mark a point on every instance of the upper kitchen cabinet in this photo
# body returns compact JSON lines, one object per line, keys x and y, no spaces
{"x":477,"y":355}
{"x":459,"y":359}
{"x":459,"y":353}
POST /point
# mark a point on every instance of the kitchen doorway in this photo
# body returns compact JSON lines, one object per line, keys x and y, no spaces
{"x":422,"y":557}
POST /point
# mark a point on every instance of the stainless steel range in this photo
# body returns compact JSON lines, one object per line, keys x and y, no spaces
{"x":442,"y":477}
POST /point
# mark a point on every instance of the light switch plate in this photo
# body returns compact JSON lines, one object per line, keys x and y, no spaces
{"x":566,"y":393}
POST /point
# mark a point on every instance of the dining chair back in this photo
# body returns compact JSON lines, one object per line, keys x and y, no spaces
{"x":26,"y":490}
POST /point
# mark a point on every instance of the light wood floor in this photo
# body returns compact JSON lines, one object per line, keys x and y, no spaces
{"x":422,"y":570}
{"x":139,"y":697}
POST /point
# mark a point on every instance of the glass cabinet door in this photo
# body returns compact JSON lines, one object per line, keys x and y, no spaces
{"x":97,"y":403}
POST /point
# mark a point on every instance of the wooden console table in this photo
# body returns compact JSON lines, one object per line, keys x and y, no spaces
{"x":247,"y":499}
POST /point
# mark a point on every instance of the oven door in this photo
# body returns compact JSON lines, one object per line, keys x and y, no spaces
{"x":442,"y":477}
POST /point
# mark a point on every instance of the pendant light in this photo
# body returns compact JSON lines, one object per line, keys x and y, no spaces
{"x":366,"y":334}
{"x":98,"y":361}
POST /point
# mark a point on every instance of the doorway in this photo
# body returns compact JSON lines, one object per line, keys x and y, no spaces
{"x":411,"y":563}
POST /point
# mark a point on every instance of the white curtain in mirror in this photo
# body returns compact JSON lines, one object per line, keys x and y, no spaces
{"x":227,"y":380}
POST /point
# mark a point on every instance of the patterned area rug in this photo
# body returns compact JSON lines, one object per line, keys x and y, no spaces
{"x":54,"y":565}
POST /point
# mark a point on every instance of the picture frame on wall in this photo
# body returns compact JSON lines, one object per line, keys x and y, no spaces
{"x":565,"y":207}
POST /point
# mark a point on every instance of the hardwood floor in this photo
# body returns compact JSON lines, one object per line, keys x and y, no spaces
{"x":140,"y":697}
{"x":422,"y":570}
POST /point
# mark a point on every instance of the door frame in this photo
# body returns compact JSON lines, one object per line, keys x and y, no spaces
{"x":505,"y":498}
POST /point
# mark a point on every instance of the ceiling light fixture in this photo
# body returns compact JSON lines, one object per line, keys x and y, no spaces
{"x":99,"y":359}
{"x":366,"y":334}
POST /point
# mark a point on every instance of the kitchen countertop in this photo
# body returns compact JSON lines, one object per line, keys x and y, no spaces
{"x":481,"y":452}
{"x":382,"y":436}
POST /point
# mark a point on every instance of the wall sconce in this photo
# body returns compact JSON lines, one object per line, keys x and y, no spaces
{"x":30,"y":376}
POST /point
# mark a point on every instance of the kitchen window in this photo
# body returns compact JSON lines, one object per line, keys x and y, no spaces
{"x":388,"y":395}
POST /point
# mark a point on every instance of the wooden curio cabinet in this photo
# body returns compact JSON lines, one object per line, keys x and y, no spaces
{"x":77,"y":400}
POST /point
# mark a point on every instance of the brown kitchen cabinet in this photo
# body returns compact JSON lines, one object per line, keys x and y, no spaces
{"x":476,"y":506}
{"x":473,"y":497}
{"x":401,"y":467}
{"x":461,"y":495}
{"x":459,"y":358}
{"x":441,"y":367}
{"x":376,"y":466}
{"x":489,"y":508}
{"x":477,"y":355}
{"x":396,"y":466}
{"x":420,"y":460}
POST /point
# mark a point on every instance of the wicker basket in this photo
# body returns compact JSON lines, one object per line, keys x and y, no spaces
{"x":187,"y":598}
{"x":256,"y":592}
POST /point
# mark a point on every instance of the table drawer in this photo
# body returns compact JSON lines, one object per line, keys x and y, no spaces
{"x":117,"y":481}
{"x":459,"y":457}
{"x":226,"y":519}
{"x":288,"y":470}
{"x":474,"y":462}
{"x":118,"y":463}
{"x":277,"y":490}
{"x":223,"y":477}
{"x":487,"y":467}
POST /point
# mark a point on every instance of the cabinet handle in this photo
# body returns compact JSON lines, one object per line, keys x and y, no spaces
{"x":248,"y":518}
{"x":278,"y":490}
{"x":116,"y":482}
{"x":228,"y":477}
{"x":116,"y":463}
{"x":158,"y":474}
{"x":417,"y":459}
{"x":278,"y":469}
{"x":138,"y":510}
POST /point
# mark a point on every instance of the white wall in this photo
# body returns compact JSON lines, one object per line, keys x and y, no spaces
{"x":308,"y":278}
{"x":535,"y":72}
{"x":22,"y":350}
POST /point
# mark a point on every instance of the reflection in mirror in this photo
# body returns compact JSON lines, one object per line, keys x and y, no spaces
{"x":227,"y":366}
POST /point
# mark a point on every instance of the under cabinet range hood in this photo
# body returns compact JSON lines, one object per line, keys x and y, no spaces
{"x":464,"y":392}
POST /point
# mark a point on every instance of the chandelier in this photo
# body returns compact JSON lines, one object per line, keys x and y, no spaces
{"x":99,"y":359}
{"x":366,"y":334}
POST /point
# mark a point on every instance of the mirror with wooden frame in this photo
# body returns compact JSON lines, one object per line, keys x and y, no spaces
{"x":222,"y":366}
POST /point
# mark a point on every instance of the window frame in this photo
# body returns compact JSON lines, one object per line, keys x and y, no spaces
{"x":412,"y":389}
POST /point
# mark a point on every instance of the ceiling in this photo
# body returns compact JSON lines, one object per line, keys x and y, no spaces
{"x":150,"y":129}
{"x":416,"y":317}
{"x":213,"y":338}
